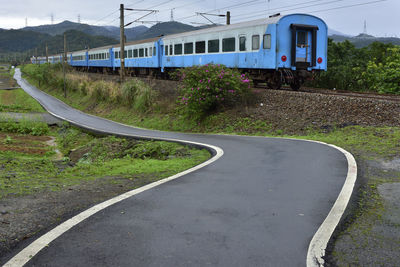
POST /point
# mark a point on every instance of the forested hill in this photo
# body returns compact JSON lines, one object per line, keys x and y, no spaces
{"x":365,"y":40}
{"x":23,"y":41}
{"x":76,"y":40}
{"x":20,"y":41}
{"x":110,"y":31}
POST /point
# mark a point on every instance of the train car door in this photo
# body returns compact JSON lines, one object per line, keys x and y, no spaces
{"x":304,"y":45}
{"x":160,"y":57}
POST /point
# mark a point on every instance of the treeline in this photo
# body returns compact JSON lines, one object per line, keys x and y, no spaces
{"x":372,"y":68}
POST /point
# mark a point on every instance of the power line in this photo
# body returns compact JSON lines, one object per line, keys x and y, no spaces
{"x":281,"y":9}
{"x":360,"y":4}
{"x":323,"y":10}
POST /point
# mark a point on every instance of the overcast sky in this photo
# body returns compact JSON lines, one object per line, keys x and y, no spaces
{"x":347,"y":16}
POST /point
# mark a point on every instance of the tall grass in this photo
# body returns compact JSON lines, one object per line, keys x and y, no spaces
{"x":138,"y":95}
{"x":133,"y":93}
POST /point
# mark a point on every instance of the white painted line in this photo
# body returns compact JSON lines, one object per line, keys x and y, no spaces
{"x":319,"y":242}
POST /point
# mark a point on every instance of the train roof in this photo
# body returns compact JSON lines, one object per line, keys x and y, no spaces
{"x":265,"y":21}
{"x":269,"y":20}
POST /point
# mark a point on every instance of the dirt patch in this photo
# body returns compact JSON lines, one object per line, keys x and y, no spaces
{"x":23,"y":218}
{"x":27,"y":144}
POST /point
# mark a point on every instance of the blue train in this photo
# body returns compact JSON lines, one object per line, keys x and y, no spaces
{"x":279,"y":49}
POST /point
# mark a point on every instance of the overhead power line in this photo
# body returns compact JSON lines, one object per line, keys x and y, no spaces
{"x":320,"y":10}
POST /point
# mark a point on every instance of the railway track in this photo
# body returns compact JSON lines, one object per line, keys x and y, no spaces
{"x":363,"y":95}
{"x":309,"y":90}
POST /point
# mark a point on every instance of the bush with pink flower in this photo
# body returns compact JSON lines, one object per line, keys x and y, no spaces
{"x":208,"y":88}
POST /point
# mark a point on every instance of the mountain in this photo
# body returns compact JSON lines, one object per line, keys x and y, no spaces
{"x":76,"y":40}
{"x":363,"y":40}
{"x":134,"y":33}
{"x":108,"y":31}
{"x":20,"y":41}
{"x":333,"y":32}
{"x":165,"y":28}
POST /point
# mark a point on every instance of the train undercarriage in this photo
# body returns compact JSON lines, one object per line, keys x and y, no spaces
{"x":273,"y":78}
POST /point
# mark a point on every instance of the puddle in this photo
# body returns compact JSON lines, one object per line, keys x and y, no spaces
{"x":391,"y":194}
{"x":391,"y":165}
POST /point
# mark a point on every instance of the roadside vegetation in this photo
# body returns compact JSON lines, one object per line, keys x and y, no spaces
{"x":375,"y":68}
{"x":30,"y":165}
{"x":18,"y":101}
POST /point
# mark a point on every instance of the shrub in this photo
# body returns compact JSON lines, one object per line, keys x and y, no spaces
{"x":384,"y":77}
{"x":208,"y":88}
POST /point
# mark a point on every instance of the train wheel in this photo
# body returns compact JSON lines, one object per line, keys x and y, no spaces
{"x":275,"y":82}
{"x":295,"y":85}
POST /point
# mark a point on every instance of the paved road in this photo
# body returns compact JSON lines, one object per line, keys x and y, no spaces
{"x":258,"y":205}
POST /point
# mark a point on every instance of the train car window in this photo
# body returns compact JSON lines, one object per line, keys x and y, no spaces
{"x":115,"y":54}
{"x":135,"y":53}
{"x":103,"y":55}
{"x":200,"y":47}
{"x":150,"y":51}
{"x":141,"y":52}
{"x":213,"y":46}
{"x":119,"y":54}
{"x":228,"y":44}
{"x":242,"y":43}
{"x":130,"y":53}
{"x":301,"y":38}
{"x":166,"y":50}
{"x":267,"y":41}
{"x":125,"y":53}
{"x":178,"y":49}
{"x":154,"y":51}
{"x":255,"y":42}
{"x":146,"y":52}
{"x":188,"y":48}
{"x":170,"y":50}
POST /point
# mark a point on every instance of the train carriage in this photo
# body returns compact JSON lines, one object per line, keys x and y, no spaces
{"x":101,"y":57}
{"x":279,"y":49}
{"x":79,"y":59}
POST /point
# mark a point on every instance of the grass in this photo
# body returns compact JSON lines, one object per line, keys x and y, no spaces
{"x":18,"y":101}
{"x":28,"y":173}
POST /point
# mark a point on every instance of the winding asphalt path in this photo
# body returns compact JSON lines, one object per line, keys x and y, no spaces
{"x":260,"y":204}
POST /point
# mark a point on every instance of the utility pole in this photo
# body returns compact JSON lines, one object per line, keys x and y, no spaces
{"x":64,"y":59}
{"x":36,"y":60}
{"x":228,"y":18}
{"x":122,"y":34}
{"x":47,"y":54}
{"x":122,"y":43}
